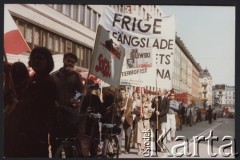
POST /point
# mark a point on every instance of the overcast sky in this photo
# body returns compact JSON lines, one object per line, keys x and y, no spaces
{"x":209,"y":35}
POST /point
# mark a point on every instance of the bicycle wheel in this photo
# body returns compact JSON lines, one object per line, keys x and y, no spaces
{"x":111,"y":148}
{"x":58,"y":153}
{"x":66,"y":151}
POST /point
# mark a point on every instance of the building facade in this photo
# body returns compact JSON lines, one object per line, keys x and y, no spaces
{"x":223,"y":95}
{"x":72,"y":28}
{"x":206,"y":86}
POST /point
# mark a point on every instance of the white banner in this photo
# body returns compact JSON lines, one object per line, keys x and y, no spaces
{"x":107,"y":58}
{"x":134,"y":32}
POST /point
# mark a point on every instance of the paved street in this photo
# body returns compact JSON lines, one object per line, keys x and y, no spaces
{"x":220,"y":128}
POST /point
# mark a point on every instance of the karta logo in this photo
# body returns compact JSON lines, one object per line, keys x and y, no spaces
{"x":114,"y":50}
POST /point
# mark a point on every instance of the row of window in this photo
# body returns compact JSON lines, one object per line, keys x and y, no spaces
{"x":220,"y":92}
{"x":82,"y":14}
{"x":36,"y":36}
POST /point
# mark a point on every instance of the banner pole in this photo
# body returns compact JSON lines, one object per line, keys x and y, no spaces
{"x":156,"y":132}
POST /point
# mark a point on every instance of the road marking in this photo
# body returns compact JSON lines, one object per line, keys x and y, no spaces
{"x":190,"y":142}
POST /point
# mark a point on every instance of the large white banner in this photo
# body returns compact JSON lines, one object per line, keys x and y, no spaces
{"x":107,"y":58}
{"x":156,"y":33}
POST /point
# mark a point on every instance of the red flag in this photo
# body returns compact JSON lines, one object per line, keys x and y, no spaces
{"x":14,"y":43}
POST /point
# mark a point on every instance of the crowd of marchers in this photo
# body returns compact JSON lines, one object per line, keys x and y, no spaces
{"x":42,"y":107}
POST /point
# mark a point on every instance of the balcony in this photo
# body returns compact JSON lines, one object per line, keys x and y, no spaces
{"x":204,"y":91}
{"x":204,"y":84}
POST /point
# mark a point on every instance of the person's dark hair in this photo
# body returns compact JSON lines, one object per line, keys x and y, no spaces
{"x":19,"y":72}
{"x":46,"y":53}
{"x":122,"y":89}
{"x":71,"y":55}
{"x":92,"y":85}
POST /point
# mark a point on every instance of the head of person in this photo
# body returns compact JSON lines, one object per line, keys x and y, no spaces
{"x":171,"y":95}
{"x":122,"y":93}
{"x":92,"y":87}
{"x":69,"y":60}
{"x":162,"y":92}
{"x":41,"y":60}
{"x":144,"y":97}
{"x":135,"y":95}
{"x":19,"y":73}
{"x":149,"y":97}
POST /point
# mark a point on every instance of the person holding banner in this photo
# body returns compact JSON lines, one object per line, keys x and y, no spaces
{"x":68,"y":82}
{"x":29,"y":122}
{"x":162,"y":117}
{"x":124,"y":118}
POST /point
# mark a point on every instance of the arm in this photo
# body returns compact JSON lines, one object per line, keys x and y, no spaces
{"x":128,"y":110}
{"x":79,"y":84}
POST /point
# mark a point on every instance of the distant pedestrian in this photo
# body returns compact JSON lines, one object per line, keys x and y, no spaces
{"x":190,"y":114}
{"x":210,"y":111}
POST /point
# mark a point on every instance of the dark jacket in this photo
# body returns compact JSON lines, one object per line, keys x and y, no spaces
{"x":127,"y":113}
{"x":164,"y":107}
{"x":30,"y":121}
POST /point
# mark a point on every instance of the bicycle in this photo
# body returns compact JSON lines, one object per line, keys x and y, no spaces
{"x":86,"y":141}
{"x":67,"y":148}
{"x":80,"y":145}
{"x":110,"y":141}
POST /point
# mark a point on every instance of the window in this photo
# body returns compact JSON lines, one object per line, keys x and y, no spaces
{"x":21,"y":27}
{"x":29,"y":35}
{"x":94,"y":20}
{"x":36,"y":36}
{"x":67,"y":11}
{"x":88,"y":17}
{"x":68,"y":46}
{"x":62,"y":46}
{"x":75,"y":12}
{"x":82,"y":13}
{"x":56,"y":44}
{"x":44,"y":39}
{"x":59,"y":8}
{"x":50,"y":5}
{"x":50,"y":41}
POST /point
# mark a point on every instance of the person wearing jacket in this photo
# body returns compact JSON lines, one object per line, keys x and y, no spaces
{"x":124,"y":118}
{"x":161,"y":112}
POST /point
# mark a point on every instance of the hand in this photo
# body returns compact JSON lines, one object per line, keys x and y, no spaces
{"x":123,"y":108}
{"x":74,"y":102}
{"x":157,"y":113}
{"x":122,"y":119}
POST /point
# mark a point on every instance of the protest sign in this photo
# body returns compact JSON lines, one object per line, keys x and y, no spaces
{"x":107,"y":58}
{"x":135,"y":33}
